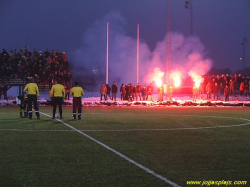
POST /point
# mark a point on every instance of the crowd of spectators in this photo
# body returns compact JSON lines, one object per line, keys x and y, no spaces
{"x":234,"y":85}
{"x":212,"y":86}
{"x":128,"y":92}
{"x":45,"y":66}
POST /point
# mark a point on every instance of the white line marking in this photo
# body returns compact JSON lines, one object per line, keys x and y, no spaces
{"x":130,"y":130}
{"x":119,"y":154}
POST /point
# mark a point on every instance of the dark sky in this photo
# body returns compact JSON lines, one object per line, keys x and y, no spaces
{"x":78,"y":27}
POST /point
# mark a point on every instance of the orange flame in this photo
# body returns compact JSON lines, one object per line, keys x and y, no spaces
{"x":156,"y":76}
{"x":177,"y":81}
{"x":196,"y":78}
{"x":176,"y":75}
{"x":197,"y":83}
{"x":158,"y":82}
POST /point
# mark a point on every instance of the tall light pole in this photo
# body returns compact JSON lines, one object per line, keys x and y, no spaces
{"x":189,"y":5}
{"x":243,"y":54}
{"x":107,"y":59}
{"x":138,"y":52}
{"x":168,"y":45}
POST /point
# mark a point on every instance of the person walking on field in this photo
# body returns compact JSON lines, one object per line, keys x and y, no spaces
{"x":33,"y":94}
{"x":58,"y":94}
{"x":77,"y":93}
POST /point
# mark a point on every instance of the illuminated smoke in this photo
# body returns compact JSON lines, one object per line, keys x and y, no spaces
{"x":188,"y":56}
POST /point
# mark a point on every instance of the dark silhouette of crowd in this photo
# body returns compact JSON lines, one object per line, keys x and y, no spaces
{"x":45,"y":66}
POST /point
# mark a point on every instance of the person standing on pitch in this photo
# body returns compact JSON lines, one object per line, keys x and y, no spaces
{"x":58,"y":94}
{"x":33,"y":94}
{"x":114,"y":91}
{"x":77,"y":93}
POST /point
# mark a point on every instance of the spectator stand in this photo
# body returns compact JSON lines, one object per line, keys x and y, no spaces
{"x":17,"y":66}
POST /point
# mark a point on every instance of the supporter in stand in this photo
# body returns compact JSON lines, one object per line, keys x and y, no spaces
{"x":35,"y":54}
{"x":64,"y":55}
{"x":46,"y":54}
{"x":24,"y":63}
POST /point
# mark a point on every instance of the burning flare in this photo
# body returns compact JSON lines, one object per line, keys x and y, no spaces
{"x":196,"y":78}
{"x":158,"y":82}
{"x":156,"y":76}
{"x":176,"y":75}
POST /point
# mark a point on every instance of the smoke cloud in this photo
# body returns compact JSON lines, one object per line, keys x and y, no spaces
{"x":188,"y":55}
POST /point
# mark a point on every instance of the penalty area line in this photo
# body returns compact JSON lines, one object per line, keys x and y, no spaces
{"x":118,"y":153}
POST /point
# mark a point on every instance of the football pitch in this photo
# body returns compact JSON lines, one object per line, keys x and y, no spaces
{"x":127,"y":146}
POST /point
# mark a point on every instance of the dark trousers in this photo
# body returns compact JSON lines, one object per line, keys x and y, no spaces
{"x":77,"y":105}
{"x":113,"y":96}
{"x":32,"y":99}
{"x":57,"y":101}
{"x":5,"y":95}
{"x":104,"y":96}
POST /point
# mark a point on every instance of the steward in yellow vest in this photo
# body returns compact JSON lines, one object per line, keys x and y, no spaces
{"x":77,"y":93}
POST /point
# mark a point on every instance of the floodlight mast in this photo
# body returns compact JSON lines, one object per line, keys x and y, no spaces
{"x":168,"y":45}
{"x":107,"y":60}
{"x":189,"y":5}
{"x":138,"y":51}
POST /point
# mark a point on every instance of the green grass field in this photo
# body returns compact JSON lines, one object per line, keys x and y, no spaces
{"x":179,"y":144}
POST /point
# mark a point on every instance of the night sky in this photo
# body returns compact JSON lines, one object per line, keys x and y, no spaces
{"x":78,"y":27}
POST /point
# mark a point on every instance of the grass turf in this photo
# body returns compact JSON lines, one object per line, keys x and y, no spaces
{"x":179,"y":143}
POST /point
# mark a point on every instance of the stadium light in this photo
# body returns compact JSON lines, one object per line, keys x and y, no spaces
{"x":189,"y":5}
